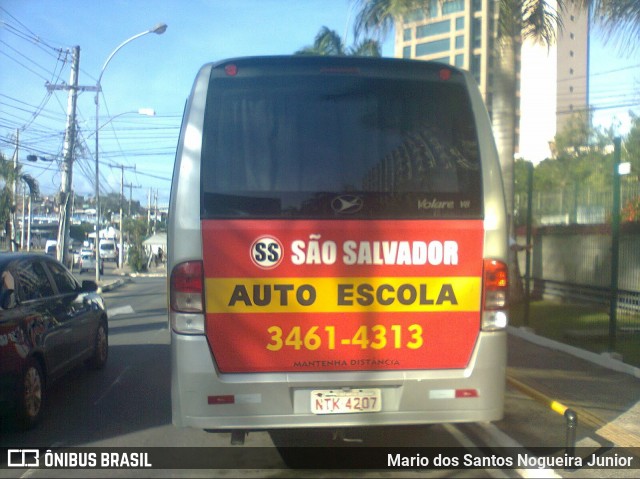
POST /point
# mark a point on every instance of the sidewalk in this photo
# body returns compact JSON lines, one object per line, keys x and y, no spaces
{"x":604,"y":392}
{"x":126,"y":273}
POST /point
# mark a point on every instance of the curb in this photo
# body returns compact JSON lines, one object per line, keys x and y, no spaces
{"x":113,"y":285}
{"x":608,"y":430}
{"x":127,"y":278}
{"x":605,"y":360}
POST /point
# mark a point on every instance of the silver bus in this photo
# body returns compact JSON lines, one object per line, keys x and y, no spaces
{"x":337,"y":247}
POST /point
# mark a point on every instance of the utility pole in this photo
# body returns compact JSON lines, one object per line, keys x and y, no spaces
{"x":11,"y":235}
{"x":29,"y":224}
{"x":22,"y":231}
{"x":149,"y":213}
{"x":67,"y":165}
{"x":155,"y":223}
{"x":121,"y":244}
{"x":69,"y":146}
{"x":131,"y":186}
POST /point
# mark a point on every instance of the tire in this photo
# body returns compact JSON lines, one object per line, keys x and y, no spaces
{"x":31,"y":395}
{"x":101,"y":348}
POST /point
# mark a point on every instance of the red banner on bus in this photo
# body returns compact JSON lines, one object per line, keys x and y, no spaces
{"x":342,"y":295}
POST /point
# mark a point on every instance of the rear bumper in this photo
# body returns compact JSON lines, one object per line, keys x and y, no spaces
{"x":283,"y":400}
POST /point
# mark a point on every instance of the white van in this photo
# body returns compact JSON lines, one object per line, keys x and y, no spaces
{"x":108,"y":250}
{"x":50,"y":247}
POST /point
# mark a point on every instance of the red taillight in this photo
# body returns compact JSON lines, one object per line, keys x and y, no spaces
{"x":231,"y":69}
{"x":186,"y":287}
{"x":495,"y":285}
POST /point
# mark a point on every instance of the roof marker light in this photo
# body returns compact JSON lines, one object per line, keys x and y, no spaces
{"x":231,"y":69}
{"x":444,"y":74}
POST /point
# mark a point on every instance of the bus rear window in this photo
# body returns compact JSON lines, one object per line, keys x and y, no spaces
{"x":327,"y":146}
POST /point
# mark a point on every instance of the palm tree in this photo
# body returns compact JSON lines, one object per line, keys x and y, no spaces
{"x":10,"y":173}
{"x":328,"y":42}
{"x":620,"y":19}
{"x":518,"y":20}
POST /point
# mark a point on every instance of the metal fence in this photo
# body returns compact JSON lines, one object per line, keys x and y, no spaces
{"x":585,"y":256}
{"x":575,"y":204}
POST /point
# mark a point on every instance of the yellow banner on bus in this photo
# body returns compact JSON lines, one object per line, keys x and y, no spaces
{"x":343,"y":295}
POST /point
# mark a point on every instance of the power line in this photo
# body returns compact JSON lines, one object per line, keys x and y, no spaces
{"x":29,"y":35}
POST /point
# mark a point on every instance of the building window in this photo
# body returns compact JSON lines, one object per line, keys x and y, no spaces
{"x":452,"y":6}
{"x":459,"y":61}
{"x":459,"y":41}
{"x":476,"y":32}
{"x":433,"y":29}
{"x":477,"y":5}
{"x":430,"y":48}
{"x":406,"y":52}
{"x":460,"y":23}
{"x":414,"y":16}
{"x":476,"y":67}
{"x":406,"y":35}
{"x":433,"y":9}
{"x":571,"y":53}
{"x":441,"y":60}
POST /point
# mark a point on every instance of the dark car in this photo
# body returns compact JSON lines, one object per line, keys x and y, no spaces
{"x":49,"y":323}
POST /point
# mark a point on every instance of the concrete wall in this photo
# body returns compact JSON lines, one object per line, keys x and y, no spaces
{"x":582,"y":256}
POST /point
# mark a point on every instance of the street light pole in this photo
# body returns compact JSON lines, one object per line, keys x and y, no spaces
{"x":159,"y":29}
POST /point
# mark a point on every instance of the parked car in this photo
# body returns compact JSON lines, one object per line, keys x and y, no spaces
{"x":49,"y":323}
{"x":87,"y":261}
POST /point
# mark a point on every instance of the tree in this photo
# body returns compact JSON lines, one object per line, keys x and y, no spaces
{"x":10,"y":174}
{"x":619,"y":18}
{"x":136,"y":230}
{"x":328,"y":42}
{"x":631,"y":153}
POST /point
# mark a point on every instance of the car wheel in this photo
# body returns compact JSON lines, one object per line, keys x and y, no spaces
{"x":31,"y":395}
{"x":101,"y":348}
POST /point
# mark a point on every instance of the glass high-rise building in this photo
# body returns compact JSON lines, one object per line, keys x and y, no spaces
{"x":553,"y":81}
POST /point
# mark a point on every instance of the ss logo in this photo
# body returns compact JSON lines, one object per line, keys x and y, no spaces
{"x":267,"y":252}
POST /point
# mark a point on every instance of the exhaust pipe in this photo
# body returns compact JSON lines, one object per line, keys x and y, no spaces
{"x":341,"y":435}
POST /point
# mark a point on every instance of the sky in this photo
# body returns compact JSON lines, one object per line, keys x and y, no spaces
{"x":157,"y":72}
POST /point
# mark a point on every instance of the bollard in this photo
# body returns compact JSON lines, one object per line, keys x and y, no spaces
{"x":572,"y":424}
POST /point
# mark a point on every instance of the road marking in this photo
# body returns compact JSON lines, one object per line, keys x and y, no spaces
{"x":117,"y":380}
{"x":120,"y":310}
{"x":468,"y":443}
{"x":493,"y":435}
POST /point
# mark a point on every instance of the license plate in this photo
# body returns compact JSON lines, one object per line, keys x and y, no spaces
{"x":337,"y":401}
